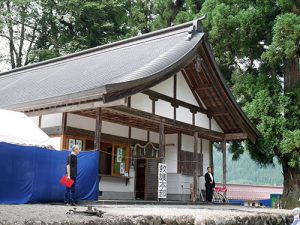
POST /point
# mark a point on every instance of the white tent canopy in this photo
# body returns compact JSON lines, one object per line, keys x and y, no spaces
{"x":17,"y":128}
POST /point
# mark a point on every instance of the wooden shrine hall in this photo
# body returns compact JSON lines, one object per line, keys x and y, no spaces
{"x":158,"y":97}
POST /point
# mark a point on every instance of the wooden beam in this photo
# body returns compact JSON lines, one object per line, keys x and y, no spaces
{"x":98,"y":128}
{"x":174,"y":102}
{"x":187,"y":128}
{"x":72,"y":108}
{"x":235,"y":136}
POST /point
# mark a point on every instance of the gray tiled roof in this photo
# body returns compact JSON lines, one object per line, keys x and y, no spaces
{"x":98,"y":70}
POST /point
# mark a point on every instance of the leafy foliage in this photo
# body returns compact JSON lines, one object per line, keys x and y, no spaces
{"x":256,"y":44}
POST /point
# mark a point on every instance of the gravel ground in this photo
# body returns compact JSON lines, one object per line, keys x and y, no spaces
{"x":53,"y":214}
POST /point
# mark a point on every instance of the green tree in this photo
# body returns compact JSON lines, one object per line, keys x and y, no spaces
{"x":71,"y":25}
{"x":18,"y":27}
{"x":258,"y":44}
{"x":140,"y":16}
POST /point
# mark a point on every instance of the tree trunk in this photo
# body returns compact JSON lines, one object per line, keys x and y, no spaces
{"x":292,"y":73}
{"x":291,"y":190}
{"x":11,"y":36}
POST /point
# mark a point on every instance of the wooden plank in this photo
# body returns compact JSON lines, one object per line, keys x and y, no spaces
{"x":187,"y":128}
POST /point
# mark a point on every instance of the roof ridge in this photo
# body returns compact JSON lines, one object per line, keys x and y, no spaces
{"x":8,"y":73}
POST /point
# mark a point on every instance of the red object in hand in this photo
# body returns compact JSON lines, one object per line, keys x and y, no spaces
{"x":66,"y":181}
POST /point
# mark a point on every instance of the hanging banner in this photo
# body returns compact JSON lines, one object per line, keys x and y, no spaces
{"x":162,"y":180}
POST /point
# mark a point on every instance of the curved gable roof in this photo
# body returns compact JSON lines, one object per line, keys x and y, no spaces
{"x":98,"y":70}
{"x":123,"y":68}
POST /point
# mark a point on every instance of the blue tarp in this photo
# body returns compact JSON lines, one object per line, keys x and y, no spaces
{"x":32,"y":174}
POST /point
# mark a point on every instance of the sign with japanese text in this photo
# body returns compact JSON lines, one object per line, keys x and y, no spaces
{"x":119,"y":155}
{"x":162,"y":180}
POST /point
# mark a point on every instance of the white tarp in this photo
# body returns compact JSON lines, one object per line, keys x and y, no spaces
{"x":17,"y":128}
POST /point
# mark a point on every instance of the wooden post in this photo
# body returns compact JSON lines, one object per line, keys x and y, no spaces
{"x":179,"y":164}
{"x":64,"y":144}
{"x":224,"y":162}
{"x":162,"y":142}
{"x":97,"y":139}
{"x":194,"y":195}
{"x":175,"y":94}
{"x":211,"y":144}
{"x":40,"y":121}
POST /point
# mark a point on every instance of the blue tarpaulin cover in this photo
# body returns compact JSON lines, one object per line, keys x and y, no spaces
{"x":31,"y":175}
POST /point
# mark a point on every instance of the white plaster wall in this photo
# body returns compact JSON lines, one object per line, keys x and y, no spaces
{"x":184,"y":92}
{"x":171,"y":152}
{"x":215,"y":126}
{"x":163,"y":108}
{"x":115,"y":129}
{"x":187,"y":143}
{"x":56,"y":142}
{"x":154,"y":137}
{"x":81,"y":122}
{"x":51,"y":120}
{"x":184,"y":115}
{"x":35,"y":119}
{"x":138,"y":134}
{"x":116,"y":184}
{"x":201,"y":120}
{"x":141,"y":102}
{"x":165,"y":87}
{"x":179,"y":184}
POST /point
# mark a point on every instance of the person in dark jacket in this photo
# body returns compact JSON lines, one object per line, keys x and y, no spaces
{"x":72,"y":174}
{"x":209,"y":184}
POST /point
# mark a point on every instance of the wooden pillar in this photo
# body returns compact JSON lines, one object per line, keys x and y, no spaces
{"x":211,"y":144}
{"x":97,"y":139}
{"x":179,"y":164}
{"x":40,"y":121}
{"x":64,"y":144}
{"x":224,"y":162}
{"x":194,"y":195}
{"x":162,"y":142}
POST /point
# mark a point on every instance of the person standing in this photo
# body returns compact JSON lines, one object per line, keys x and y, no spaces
{"x":72,"y":174}
{"x":209,"y":184}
